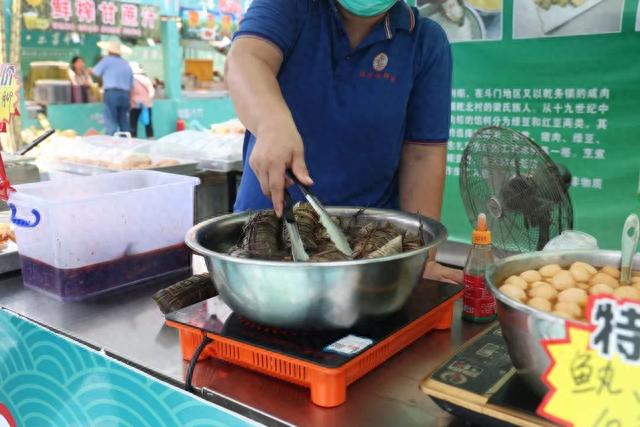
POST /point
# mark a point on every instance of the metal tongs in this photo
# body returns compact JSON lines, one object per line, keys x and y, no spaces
{"x":5,"y":185}
{"x":36,"y":142}
{"x":333,"y":230}
{"x":297,"y":247}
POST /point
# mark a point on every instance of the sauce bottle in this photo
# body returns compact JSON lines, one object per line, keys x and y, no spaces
{"x":479,"y":303}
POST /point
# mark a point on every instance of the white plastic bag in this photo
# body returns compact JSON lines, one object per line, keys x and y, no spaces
{"x":572,"y":240}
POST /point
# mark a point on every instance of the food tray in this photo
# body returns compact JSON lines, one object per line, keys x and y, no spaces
{"x":213,"y":152}
{"x":9,"y":258}
{"x":186,"y":168}
{"x":222,"y":166}
{"x":100,"y":154}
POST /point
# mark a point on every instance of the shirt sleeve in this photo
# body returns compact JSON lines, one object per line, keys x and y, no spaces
{"x":98,"y":69}
{"x":277,"y":21}
{"x":429,"y":107}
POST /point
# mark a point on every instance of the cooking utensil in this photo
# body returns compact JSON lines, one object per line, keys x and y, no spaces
{"x":630,"y":235}
{"x":297,"y":247}
{"x":328,"y":295}
{"x":36,"y":142}
{"x":20,"y":173}
{"x":524,"y":327}
{"x":335,"y":233}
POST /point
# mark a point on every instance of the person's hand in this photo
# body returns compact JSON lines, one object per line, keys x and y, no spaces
{"x":435,"y":271}
{"x":278,"y":148}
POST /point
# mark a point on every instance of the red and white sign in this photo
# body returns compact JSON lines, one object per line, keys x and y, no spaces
{"x":6,"y":419}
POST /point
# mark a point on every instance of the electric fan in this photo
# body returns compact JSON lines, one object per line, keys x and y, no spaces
{"x":524,"y":193}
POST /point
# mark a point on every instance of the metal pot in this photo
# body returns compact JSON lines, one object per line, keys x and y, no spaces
{"x":524,"y":327}
{"x":330,"y":295}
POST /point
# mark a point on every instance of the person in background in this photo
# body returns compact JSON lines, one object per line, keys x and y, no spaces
{"x":158,"y":85}
{"x":81,"y":80}
{"x":117,"y":80}
{"x":142,"y":93}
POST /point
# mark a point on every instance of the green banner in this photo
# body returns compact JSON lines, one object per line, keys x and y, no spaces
{"x":564,"y":72}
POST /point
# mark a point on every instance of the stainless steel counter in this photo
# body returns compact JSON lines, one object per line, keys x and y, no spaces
{"x":129,"y":326}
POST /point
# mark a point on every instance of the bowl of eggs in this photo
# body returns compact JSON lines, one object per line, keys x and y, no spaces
{"x":537,"y":293}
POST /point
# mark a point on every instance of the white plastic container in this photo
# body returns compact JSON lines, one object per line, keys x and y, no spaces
{"x":83,"y":236}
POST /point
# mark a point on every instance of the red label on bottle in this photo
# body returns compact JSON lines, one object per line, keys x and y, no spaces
{"x":478,"y":300}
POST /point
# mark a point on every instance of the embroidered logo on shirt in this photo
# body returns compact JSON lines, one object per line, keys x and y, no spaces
{"x":380,"y":62}
{"x":378,"y":76}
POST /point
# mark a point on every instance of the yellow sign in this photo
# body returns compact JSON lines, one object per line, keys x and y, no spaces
{"x":9,"y":94}
{"x":594,"y":377}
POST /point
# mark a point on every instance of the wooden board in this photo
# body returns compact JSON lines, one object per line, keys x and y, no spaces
{"x":480,"y":383}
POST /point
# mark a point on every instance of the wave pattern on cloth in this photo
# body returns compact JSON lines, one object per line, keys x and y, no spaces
{"x":48,"y":380}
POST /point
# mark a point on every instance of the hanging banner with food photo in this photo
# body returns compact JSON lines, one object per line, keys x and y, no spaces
{"x":9,"y":94}
{"x":563,"y":75}
{"x":212,"y":24}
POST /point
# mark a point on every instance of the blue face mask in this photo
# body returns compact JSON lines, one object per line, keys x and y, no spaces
{"x":367,"y":8}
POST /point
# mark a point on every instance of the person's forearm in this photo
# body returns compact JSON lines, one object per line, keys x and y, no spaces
{"x":422,"y":175}
{"x":254,"y":88}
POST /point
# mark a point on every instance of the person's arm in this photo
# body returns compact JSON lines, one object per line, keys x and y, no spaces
{"x":267,"y":32}
{"x":423,"y":163}
{"x":72,"y":77}
{"x":422,"y":175}
{"x":98,"y":69}
{"x":150,"y":89}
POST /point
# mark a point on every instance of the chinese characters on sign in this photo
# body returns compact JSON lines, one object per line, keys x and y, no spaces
{"x":594,"y":377}
{"x":568,"y":123}
{"x":617,"y":330}
{"x":93,"y":16}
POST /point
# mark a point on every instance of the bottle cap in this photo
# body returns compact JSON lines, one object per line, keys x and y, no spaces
{"x":481,"y":236}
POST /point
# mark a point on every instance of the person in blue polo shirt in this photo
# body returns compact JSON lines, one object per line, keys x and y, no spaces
{"x":354,"y":93}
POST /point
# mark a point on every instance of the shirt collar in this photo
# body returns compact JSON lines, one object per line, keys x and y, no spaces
{"x":400,"y":17}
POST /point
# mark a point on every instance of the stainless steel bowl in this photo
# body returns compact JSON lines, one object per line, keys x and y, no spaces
{"x":524,"y":327}
{"x":331,"y":295}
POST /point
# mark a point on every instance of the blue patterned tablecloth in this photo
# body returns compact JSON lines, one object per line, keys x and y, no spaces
{"x":49,"y":380}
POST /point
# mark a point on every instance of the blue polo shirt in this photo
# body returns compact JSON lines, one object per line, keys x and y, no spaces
{"x":354,"y":108}
{"x":115,"y":73}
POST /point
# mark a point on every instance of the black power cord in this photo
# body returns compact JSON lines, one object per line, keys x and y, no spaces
{"x":192,"y":364}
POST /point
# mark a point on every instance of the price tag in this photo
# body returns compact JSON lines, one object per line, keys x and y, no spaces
{"x":594,"y":376}
{"x":9,"y":94}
